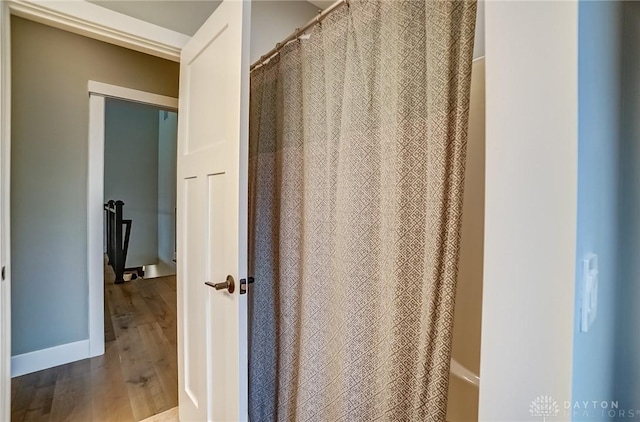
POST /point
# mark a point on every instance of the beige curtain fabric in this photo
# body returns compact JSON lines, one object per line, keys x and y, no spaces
{"x":357,"y":152}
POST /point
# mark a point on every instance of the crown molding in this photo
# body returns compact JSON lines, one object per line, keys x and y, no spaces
{"x":91,"y":20}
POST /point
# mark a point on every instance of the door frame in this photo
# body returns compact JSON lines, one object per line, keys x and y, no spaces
{"x":82,"y":18}
{"x":98,"y":92}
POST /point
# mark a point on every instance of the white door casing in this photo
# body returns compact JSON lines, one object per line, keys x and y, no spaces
{"x":98,"y":91}
{"x":212,"y":216}
{"x":5,"y":285}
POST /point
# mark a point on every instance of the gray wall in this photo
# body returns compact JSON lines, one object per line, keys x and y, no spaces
{"x":599,"y":108}
{"x":628,"y":327}
{"x":167,"y":151}
{"x":50,"y":114}
{"x":273,"y":21}
{"x":131,"y":173}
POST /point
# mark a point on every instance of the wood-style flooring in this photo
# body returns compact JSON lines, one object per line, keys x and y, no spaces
{"x":137,"y":376}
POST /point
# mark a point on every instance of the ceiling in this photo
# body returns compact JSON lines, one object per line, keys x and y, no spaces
{"x":184,"y":16}
{"x":322,"y":4}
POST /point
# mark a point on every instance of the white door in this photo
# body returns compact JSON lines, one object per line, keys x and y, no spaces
{"x":212,"y":217}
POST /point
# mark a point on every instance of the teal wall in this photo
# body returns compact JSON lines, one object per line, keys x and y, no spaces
{"x":596,"y":353}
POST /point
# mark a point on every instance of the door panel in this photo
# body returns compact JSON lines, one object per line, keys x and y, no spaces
{"x":194,"y":325}
{"x":221,"y":306}
{"x":212,"y":212}
{"x":208,"y":118}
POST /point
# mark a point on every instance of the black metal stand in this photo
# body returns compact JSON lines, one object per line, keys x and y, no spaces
{"x":116,"y":250}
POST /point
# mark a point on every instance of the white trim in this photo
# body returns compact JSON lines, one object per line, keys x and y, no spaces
{"x":5,"y":226}
{"x":27,"y":363}
{"x":134,"y":95}
{"x":95,"y":196}
{"x":95,"y":237}
{"x":531,"y":171}
{"x":93,"y":21}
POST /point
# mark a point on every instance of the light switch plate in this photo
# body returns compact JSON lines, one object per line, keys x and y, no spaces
{"x":589,"y":308}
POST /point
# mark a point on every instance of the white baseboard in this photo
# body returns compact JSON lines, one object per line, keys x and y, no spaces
{"x":48,"y":358}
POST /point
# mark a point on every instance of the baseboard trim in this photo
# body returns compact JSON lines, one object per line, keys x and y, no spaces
{"x":38,"y":360}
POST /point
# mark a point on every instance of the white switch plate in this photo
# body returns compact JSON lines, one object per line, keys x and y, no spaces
{"x":589,"y":308}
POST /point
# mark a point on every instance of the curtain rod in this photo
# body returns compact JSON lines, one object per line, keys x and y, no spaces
{"x":299,"y":31}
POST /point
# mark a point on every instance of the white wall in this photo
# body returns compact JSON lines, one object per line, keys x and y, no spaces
{"x":530,"y":220}
{"x":599,"y":104}
{"x":167,"y":151}
{"x":131,"y":173}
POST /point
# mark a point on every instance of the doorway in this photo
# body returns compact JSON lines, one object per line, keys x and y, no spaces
{"x":100,"y":93}
{"x":140,"y":171}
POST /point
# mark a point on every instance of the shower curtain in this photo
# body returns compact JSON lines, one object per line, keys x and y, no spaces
{"x":357,"y":152}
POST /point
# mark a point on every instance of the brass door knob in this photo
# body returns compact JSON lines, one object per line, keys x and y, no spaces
{"x":228,"y":284}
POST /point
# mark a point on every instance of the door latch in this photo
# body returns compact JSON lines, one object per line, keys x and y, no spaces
{"x":243,"y":284}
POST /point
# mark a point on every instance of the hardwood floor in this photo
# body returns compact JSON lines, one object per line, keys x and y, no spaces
{"x":137,"y":377}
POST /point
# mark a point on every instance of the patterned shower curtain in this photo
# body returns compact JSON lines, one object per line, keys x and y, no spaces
{"x":357,"y":151}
